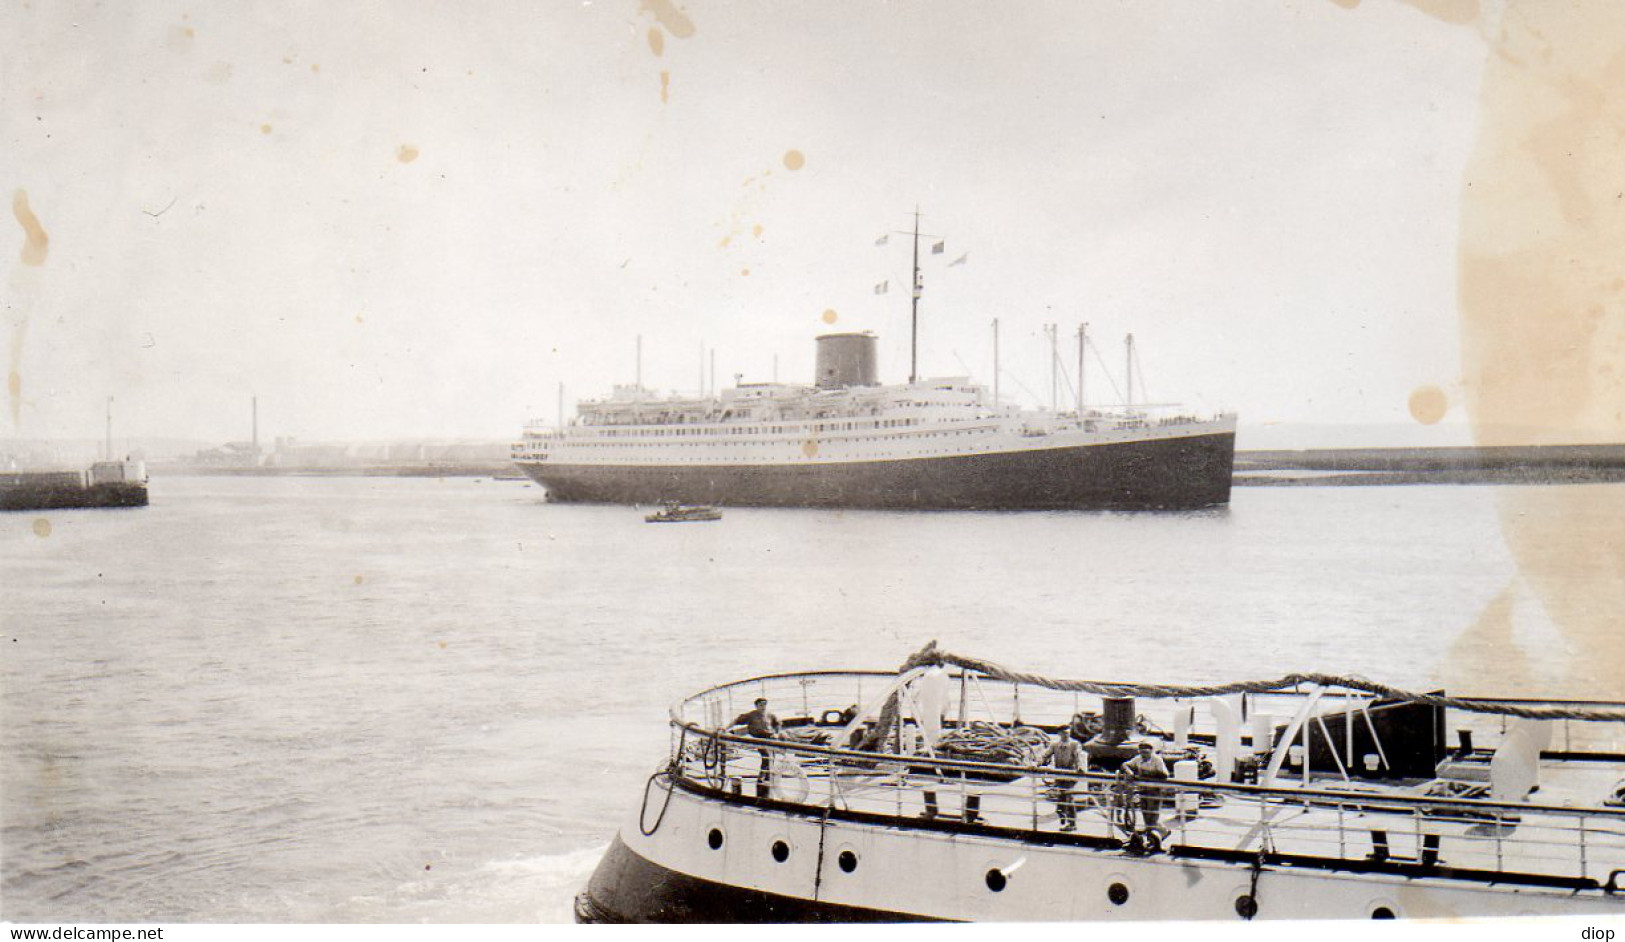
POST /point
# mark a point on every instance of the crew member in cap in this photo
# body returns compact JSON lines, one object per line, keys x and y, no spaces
{"x":1147,"y":766}
{"x":760,"y":724}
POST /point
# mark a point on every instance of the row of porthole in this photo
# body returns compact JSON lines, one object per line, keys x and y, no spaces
{"x":1116,"y":893}
{"x":846,"y":859}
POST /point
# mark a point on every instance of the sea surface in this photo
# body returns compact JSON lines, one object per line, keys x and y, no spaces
{"x":412,"y":700}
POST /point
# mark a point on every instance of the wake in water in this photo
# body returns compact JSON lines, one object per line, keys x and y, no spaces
{"x":520,"y":890}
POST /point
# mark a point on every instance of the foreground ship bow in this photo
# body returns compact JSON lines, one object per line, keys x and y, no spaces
{"x":948,"y":792}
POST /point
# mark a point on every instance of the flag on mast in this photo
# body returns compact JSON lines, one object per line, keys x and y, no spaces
{"x":959,"y":261}
{"x":883,"y":287}
{"x":882,"y":239}
{"x":939,"y":248}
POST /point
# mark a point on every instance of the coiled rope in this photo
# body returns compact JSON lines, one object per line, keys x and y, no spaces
{"x":990,"y":742}
{"x":931,"y":655}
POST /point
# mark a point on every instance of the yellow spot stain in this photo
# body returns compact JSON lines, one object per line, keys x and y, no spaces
{"x":36,"y":244}
{"x":1347,"y":4}
{"x":358,"y":318}
{"x":657,"y":40}
{"x":358,"y":580}
{"x":442,"y":645}
{"x":830,"y":317}
{"x":809,"y":448}
{"x":744,"y":272}
{"x":756,"y":231}
{"x":406,"y":154}
{"x":315,"y":67}
{"x":189,"y":33}
{"x":670,"y":17}
{"x":665,"y":86}
{"x":725,"y":240}
{"x":42,"y":527}
{"x":14,"y":384}
{"x":265,"y":129}
{"x":1428,"y":404}
{"x":793,"y":160}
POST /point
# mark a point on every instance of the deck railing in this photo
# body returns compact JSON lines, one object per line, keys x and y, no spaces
{"x":1323,"y":819}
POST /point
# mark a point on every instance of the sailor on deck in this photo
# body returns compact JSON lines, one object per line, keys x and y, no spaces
{"x":1065,"y":753}
{"x":760,"y":724}
{"x":1147,"y":766}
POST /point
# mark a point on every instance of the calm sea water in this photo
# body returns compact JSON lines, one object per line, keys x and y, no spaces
{"x":368,"y":699}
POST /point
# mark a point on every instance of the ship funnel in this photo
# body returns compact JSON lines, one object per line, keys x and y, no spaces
{"x":846,"y":360}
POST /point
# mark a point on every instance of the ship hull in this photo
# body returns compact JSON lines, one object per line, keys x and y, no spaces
{"x":1166,"y":473}
{"x":65,"y":497}
{"x":626,"y":888}
{"x":692,"y":855}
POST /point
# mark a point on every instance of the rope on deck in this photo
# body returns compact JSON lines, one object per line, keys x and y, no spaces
{"x":931,"y":655}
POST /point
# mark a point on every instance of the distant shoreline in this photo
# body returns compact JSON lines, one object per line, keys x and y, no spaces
{"x":1376,"y":467}
{"x":1329,"y":467}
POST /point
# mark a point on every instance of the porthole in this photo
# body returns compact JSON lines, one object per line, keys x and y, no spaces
{"x":1246,"y":906}
{"x":714,"y":838}
{"x":1382,"y":912}
{"x":847,"y":861}
{"x":781,"y":851}
{"x":1117,"y":893}
{"x":996,"y":880}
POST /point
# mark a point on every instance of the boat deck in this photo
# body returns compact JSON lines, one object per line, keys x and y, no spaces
{"x":1558,"y":830}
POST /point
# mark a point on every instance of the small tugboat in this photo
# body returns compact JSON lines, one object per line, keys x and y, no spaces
{"x":680,"y":513}
{"x":956,"y":789}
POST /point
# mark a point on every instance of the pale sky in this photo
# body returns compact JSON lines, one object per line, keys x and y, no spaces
{"x":1266,"y":194}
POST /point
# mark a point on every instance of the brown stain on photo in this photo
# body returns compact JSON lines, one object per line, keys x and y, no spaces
{"x":406,"y":154}
{"x":1489,"y":637}
{"x":794,"y":160}
{"x":665,"y":86}
{"x":1428,"y":404}
{"x":36,"y":244}
{"x":1459,"y":12}
{"x":1542,"y":249}
{"x":673,"y":19}
{"x":830,"y":317}
{"x":14,"y":379}
{"x":809,"y":448}
{"x":42,"y":527}
{"x":265,"y":129}
{"x":657,"y":40}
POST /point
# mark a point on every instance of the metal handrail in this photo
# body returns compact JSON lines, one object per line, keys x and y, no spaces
{"x":1318,"y":797}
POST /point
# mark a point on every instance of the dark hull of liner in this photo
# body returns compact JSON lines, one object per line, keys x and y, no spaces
{"x":48,"y":497}
{"x":1165,"y":474}
{"x":628,"y":888}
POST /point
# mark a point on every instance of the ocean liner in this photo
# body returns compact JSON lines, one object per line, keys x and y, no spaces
{"x":938,"y":792}
{"x":849,"y":441}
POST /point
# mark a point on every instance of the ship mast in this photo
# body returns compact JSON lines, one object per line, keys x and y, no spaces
{"x":995,"y":362}
{"x":914,"y":319}
{"x":1128,"y":357}
{"x":1083,"y":341}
